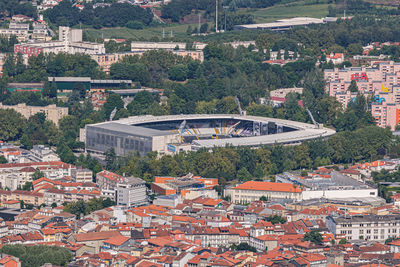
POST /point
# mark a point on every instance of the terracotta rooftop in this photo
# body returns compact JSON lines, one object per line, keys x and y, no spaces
{"x":268,"y":186}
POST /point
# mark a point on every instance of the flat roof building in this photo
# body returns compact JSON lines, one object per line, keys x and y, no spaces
{"x":131,"y":192}
{"x":52,"y":112}
{"x":376,"y":228}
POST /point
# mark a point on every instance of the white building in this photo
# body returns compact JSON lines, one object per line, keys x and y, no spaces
{"x":43,"y":153}
{"x":168,"y":201}
{"x":364,"y":227}
{"x":70,"y":42}
{"x":131,"y":192}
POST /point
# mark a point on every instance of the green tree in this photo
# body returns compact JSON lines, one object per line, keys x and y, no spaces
{"x":34,"y":256}
{"x":178,"y":72}
{"x":313,"y":236}
{"x":38,"y":174}
{"x":113,"y":101}
{"x":353,"y":86}
{"x":12,"y":125}
{"x":275,"y":219}
{"x":3,"y":160}
{"x":244,"y":175}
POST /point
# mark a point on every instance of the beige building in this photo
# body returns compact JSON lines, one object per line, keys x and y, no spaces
{"x":254,"y":190}
{"x":52,"y":112}
{"x":282,"y":92}
{"x":82,"y":175}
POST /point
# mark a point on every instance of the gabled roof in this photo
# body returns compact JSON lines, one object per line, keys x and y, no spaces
{"x":91,"y":236}
{"x":117,"y":240}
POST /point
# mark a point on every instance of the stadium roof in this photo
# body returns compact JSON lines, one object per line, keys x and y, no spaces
{"x":131,"y":130}
{"x":303,"y":131}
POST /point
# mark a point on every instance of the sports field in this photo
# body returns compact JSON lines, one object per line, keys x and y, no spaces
{"x":147,"y":33}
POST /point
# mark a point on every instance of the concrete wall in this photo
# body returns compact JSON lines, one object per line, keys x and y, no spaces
{"x":332,"y":194}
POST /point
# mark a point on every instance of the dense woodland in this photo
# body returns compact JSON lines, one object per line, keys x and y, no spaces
{"x":34,"y":256}
{"x":15,"y":7}
{"x":115,"y":15}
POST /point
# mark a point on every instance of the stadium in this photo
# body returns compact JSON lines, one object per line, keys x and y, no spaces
{"x":175,"y":133}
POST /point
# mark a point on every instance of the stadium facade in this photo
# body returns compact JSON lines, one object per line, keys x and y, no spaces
{"x":176,"y":133}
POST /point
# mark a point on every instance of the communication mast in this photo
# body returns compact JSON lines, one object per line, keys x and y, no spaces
{"x":216,"y":16}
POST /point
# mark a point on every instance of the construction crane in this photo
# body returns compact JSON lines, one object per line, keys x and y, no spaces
{"x":316,"y":124}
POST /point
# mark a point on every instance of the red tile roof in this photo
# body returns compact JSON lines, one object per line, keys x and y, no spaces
{"x":268,"y":186}
{"x":117,"y":240}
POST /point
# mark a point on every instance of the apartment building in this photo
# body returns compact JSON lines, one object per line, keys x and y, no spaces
{"x":82,"y":175}
{"x":254,"y":190}
{"x":213,"y":236}
{"x":264,"y":242}
{"x":14,"y":175}
{"x":380,"y":81}
{"x":131,"y":192}
{"x":106,"y":60}
{"x":21,"y":31}
{"x":60,"y":196}
{"x":43,"y":154}
{"x":52,"y":112}
{"x":146,"y":46}
{"x":27,"y":197}
{"x":70,"y":42}
{"x":364,"y":227}
{"x":108,"y":180}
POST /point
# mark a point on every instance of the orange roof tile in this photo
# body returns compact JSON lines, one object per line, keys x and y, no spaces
{"x":117,"y":240}
{"x":268,"y":186}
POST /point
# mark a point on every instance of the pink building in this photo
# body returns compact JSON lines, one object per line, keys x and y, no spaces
{"x":381,"y":80}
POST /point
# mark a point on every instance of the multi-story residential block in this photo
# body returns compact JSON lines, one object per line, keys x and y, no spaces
{"x":59,"y":196}
{"x":380,"y":81}
{"x":213,"y":236}
{"x":254,"y":190}
{"x":264,"y":242}
{"x":27,"y":197}
{"x":14,"y":175}
{"x":43,"y":153}
{"x":364,"y":227}
{"x":82,"y":175}
{"x":180,"y":49}
{"x":131,"y":192}
{"x":70,"y":42}
{"x":21,"y":31}
{"x":107,"y":180}
{"x":52,"y":112}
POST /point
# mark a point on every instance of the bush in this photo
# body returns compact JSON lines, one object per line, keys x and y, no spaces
{"x":178,"y":72}
{"x":133,"y":24}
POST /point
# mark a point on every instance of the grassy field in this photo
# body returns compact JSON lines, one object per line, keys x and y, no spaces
{"x":299,"y":9}
{"x":282,"y":12}
{"x":147,"y":33}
